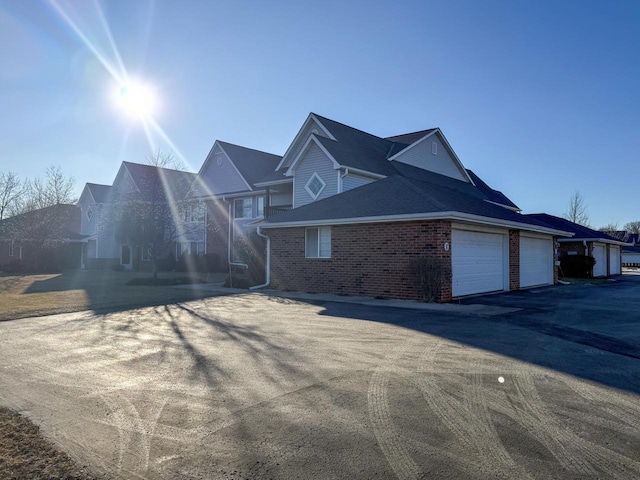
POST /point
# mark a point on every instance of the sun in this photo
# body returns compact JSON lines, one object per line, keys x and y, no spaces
{"x":137,"y":99}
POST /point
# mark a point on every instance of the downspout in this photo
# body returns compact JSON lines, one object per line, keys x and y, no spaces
{"x":268,"y":266}
{"x":586,"y":250}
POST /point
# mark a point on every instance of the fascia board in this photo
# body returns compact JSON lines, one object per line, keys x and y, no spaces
{"x":593,"y":239}
{"x":311,"y":117}
{"x":453,"y":216}
{"x":312,"y":138}
{"x":274,"y":182}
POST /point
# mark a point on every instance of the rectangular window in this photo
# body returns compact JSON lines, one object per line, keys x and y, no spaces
{"x":318,"y":242}
{"x":260,"y":206}
{"x":11,"y":250}
{"x":200,"y":248}
{"x":243,"y":208}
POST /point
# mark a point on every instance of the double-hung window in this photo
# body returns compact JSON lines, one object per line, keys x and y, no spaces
{"x":318,"y":242}
{"x":243,"y":208}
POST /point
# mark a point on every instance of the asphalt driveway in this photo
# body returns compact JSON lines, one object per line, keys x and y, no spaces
{"x":254,"y":386}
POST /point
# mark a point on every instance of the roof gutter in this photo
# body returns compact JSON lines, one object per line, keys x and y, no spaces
{"x":594,"y":239}
{"x":454,"y":216}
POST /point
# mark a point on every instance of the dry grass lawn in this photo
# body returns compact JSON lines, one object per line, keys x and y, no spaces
{"x":35,"y":295}
{"x":25,"y":454}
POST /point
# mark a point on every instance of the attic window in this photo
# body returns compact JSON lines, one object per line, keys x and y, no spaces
{"x":315,"y":186}
{"x":89,"y":213}
{"x":434,"y":148}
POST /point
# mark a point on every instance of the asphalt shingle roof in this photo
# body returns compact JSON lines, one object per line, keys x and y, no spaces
{"x":151,"y":181}
{"x":253,"y":165}
{"x":579,"y":231}
{"x":398,"y":195}
{"x":492,"y":195}
{"x":100,"y":193}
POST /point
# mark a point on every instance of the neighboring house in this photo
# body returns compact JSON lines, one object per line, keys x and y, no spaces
{"x":228,"y":185}
{"x":366,"y":210}
{"x":41,"y":240}
{"x":144,"y":215}
{"x":586,"y":241}
{"x":631,"y":256}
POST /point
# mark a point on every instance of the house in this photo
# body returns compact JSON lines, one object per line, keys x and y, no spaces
{"x":585,"y":241}
{"x":45,"y":239}
{"x":143,"y":215}
{"x":366,"y":211}
{"x":631,"y":256}
{"x":228,"y":185}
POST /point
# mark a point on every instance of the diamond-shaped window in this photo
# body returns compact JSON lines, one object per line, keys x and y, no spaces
{"x":315,"y":186}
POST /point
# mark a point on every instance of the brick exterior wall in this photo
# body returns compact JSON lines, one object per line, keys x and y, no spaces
{"x":514,"y":259}
{"x":369,"y":259}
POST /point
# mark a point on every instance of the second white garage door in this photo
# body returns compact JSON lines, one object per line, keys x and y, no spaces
{"x":477,"y":262}
{"x":614,"y":260}
{"x":536,"y":261}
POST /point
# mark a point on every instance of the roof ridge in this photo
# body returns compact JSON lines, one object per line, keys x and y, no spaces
{"x":155,"y":167}
{"x":411,"y":133}
{"x":348,"y":126}
{"x":248,"y":148}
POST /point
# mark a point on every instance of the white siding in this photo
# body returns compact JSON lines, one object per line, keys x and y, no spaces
{"x":280,"y":199}
{"x":223,"y":178}
{"x":421,"y":156}
{"x":123,"y":182}
{"x":351,"y":181}
{"x":314,"y":160}
{"x":87,"y":227}
{"x":297,"y":147}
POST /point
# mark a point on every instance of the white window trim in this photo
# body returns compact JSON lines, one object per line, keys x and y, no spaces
{"x":434,"y":148}
{"x":316,"y":254}
{"x":89,"y":213}
{"x":308,"y":189}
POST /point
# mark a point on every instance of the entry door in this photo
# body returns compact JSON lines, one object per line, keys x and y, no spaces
{"x":478,"y":262}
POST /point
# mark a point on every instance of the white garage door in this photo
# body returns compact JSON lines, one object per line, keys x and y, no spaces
{"x":614,"y":260}
{"x":477,"y":262}
{"x":600,"y":254}
{"x":536,"y":261}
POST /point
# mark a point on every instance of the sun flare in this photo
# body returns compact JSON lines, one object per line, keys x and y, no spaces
{"x":137,"y":99}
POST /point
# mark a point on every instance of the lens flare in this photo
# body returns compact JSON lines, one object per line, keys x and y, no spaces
{"x":137,"y":99}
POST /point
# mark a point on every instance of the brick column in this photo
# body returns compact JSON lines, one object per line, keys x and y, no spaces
{"x":514,"y":259}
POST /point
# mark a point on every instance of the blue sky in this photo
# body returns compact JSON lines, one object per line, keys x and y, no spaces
{"x":539,"y":98}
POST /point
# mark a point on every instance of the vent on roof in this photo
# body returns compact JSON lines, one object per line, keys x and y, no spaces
{"x":434,"y":148}
{"x":219,"y":160}
{"x":315,"y":131}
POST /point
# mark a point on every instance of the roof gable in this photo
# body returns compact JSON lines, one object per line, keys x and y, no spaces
{"x":159,"y":184}
{"x":420,"y":154}
{"x":312,"y":125}
{"x":231,"y":168}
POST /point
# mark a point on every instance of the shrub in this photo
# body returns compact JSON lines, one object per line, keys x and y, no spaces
{"x":578,"y":266}
{"x":430,"y":274}
{"x":213,"y":262}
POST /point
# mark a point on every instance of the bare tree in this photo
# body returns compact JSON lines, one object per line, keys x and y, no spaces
{"x":577,"y":210}
{"x":161,"y":159}
{"x":614,"y":231}
{"x":632,"y":227}
{"x":11,"y":191}
{"x":54,"y":189}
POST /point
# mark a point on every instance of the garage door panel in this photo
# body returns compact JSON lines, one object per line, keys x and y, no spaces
{"x":614,"y":260}
{"x":600,"y":254}
{"x":536,"y":261}
{"x":477,"y":262}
